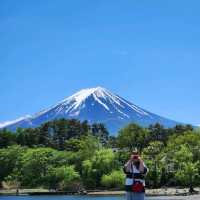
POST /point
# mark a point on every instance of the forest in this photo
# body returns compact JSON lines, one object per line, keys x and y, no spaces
{"x":70,"y":155}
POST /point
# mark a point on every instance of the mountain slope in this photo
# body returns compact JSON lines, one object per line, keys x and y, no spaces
{"x":95,"y":105}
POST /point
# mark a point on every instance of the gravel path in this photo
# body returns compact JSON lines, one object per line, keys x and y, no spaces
{"x":192,"y":197}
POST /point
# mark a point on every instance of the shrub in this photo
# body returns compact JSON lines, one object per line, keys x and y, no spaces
{"x":113,"y":180}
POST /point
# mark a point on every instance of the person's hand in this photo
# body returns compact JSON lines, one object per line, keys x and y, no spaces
{"x":131,"y":157}
{"x":140,"y":159}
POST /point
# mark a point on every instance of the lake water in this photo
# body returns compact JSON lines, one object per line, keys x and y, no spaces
{"x":69,"y":197}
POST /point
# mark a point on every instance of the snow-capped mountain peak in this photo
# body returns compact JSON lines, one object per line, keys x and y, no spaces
{"x":96,"y":105}
{"x":82,"y":95}
{"x":103,"y":97}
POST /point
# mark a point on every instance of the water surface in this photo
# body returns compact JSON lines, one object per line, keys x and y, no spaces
{"x":75,"y":197}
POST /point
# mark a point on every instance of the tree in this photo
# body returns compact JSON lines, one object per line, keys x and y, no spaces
{"x":188,"y":174}
{"x":180,"y":129}
{"x":181,"y":151}
{"x":58,"y":131}
{"x":103,"y":162}
{"x":6,"y":138}
{"x":113,"y":180}
{"x":61,"y":178}
{"x":100,"y":131}
{"x":190,"y":138}
{"x":112,"y":141}
{"x":153,"y":160}
{"x":9,"y":160}
{"x":157,"y":132}
{"x":82,"y":149}
{"x":27,"y":137}
{"x":132,"y":136}
{"x":35,"y":164}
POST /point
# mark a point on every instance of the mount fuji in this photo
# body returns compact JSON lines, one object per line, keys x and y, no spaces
{"x":94,"y":105}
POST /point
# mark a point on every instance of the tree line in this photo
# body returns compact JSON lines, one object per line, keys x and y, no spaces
{"x":73,"y":155}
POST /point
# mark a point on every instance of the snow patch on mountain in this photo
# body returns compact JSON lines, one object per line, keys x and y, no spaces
{"x":7,"y":123}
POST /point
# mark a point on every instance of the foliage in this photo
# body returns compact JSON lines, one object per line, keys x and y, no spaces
{"x":101,"y":163}
{"x":132,"y":136}
{"x":113,"y":180}
{"x":37,"y":162}
{"x":7,"y":138}
{"x":70,"y":155}
{"x":9,"y":160}
{"x":188,"y":174}
{"x":61,"y":177}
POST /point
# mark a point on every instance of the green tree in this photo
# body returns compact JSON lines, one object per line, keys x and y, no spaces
{"x":103,"y":162}
{"x":82,"y":149}
{"x":58,"y":131}
{"x":112,"y":141}
{"x":132,"y":136}
{"x":157,"y":132}
{"x":7,"y":138}
{"x":113,"y":180}
{"x":61,"y":178}
{"x":187,"y":173}
{"x":181,"y":150}
{"x":152,"y":156}
{"x":35,"y":164}
{"x":180,"y":129}
{"x":9,"y":160}
{"x":100,"y":131}
{"x":27,"y":137}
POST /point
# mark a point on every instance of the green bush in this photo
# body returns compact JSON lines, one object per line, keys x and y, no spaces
{"x":62,"y":178}
{"x":113,"y":180}
{"x":103,"y":162}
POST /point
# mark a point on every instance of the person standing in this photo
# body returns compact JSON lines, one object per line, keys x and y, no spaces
{"x":135,"y":170}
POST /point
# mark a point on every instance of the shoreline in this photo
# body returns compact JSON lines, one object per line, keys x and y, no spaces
{"x":161,"y":192}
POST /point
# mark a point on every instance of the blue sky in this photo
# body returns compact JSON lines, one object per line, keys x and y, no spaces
{"x":146,"y":51}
